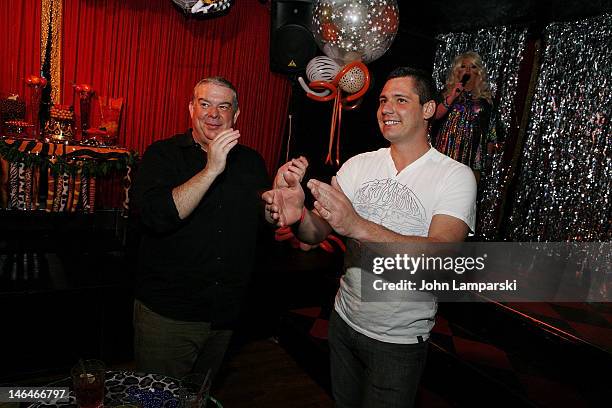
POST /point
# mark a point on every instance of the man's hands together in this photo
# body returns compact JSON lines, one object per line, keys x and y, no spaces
{"x":334,"y":207}
{"x":285,"y":202}
{"x":293,"y":168}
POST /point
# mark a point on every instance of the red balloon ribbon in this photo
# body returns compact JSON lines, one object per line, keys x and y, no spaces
{"x":320,"y":86}
{"x":349,"y":102}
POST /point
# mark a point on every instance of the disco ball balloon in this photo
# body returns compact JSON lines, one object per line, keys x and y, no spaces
{"x":351,"y":30}
{"x":322,"y":69}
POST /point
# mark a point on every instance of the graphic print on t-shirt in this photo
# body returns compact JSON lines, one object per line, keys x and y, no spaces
{"x":392,"y":205}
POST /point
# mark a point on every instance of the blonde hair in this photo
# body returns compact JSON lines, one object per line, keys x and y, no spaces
{"x":482,"y":89}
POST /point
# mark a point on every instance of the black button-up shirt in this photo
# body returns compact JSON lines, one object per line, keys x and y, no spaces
{"x":197,"y":269}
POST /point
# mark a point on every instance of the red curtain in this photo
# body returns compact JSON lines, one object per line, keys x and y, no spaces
{"x":19,"y":45}
{"x":151,"y":54}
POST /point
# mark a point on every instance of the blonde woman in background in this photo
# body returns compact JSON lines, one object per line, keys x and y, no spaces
{"x":465,"y":129}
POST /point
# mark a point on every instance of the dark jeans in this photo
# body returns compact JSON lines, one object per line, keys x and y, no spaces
{"x":176,"y":348}
{"x":370,"y":373}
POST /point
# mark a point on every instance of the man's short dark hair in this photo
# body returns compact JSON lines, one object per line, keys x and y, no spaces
{"x":422,"y":80}
{"x":217,"y":80}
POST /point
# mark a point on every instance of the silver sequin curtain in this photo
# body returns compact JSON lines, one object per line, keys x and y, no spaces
{"x":501,"y":49}
{"x":566,"y":165}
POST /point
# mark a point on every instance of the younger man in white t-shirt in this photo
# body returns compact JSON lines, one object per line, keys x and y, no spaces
{"x":406,"y":193}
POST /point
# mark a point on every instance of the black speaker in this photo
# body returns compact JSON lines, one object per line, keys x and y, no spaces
{"x":292,"y":44}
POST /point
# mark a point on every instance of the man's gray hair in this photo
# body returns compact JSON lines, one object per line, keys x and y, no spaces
{"x":217,"y":80}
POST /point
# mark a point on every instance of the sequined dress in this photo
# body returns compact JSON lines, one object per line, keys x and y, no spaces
{"x":465,"y":131}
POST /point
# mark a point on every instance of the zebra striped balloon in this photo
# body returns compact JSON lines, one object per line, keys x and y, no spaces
{"x":322,"y":69}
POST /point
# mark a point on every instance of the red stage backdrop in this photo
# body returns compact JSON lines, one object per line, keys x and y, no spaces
{"x":19,"y":45}
{"x":151,"y":54}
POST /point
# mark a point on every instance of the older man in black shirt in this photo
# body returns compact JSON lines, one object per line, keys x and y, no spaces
{"x":198,"y":198}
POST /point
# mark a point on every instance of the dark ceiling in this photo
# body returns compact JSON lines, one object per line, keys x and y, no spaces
{"x":420,"y":22}
{"x":440,"y":16}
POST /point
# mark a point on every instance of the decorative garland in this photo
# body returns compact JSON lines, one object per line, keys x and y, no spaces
{"x":90,"y":161}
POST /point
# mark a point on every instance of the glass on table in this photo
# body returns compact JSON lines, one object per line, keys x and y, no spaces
{"x":88,"y":383}
{"x":194,"y":390}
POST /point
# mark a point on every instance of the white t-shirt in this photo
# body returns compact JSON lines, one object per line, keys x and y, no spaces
{"x":405,"y":203}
